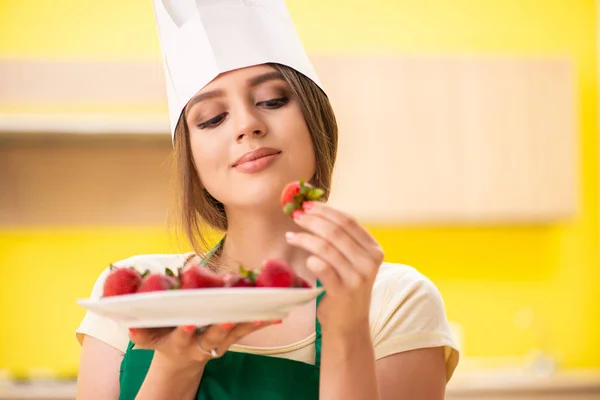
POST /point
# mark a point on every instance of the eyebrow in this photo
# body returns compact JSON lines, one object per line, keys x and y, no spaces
{"x":201,"y":97}
{"x":255,"y":81}
{"x":269,"y":76}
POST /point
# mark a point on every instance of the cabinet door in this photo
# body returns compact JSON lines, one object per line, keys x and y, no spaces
{"x":442,"y":139}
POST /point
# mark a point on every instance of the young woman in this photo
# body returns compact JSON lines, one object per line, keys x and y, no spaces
{"x":379,"y":332}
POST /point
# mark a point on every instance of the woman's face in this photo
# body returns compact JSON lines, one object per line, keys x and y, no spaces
{"x":248,"y":137}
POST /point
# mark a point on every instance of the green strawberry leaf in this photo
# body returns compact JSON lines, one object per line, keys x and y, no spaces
{"x":316,"y":194}
{"x":247,"y":273}
{"x":289,"y":208}
{"x":252,"y":276}
{"x":243,"y":271}
{"x":145,"y":273}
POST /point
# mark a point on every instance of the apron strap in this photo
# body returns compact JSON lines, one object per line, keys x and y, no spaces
{"x":212,"y":251}
{"x":318,"y":331}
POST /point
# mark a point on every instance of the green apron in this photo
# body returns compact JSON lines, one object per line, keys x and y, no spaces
{"x":236,"y":375}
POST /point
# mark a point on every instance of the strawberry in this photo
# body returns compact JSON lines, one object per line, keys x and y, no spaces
{"x":196,"y":277}
{"x":296,"y":193}
{"x":276,"y":273}
{"x":302,"y":283}
{"x":121,"y":281}
{"x":157,"y":282}
{"x":245,"y":278}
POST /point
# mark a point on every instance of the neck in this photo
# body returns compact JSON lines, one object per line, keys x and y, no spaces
{"x":254,"y":236}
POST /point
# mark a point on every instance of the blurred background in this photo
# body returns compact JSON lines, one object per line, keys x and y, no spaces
{"x":478,"y":121}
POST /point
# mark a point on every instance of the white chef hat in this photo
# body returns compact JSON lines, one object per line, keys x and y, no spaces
{"x":201,"y":39}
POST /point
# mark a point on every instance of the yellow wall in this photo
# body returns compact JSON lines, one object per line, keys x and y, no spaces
{"x":485,"y":274}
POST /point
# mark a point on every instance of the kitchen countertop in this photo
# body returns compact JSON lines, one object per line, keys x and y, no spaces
{"x":463,"y":383}
{"x":507,"y":382}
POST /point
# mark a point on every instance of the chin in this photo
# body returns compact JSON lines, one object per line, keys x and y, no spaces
{"x":257,"y":192}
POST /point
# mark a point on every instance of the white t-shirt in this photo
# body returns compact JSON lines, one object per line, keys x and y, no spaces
{"x":407,"y":313}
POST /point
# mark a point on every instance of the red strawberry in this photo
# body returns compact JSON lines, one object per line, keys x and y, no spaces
{"x":157,"y":282}
{"x":302,"y":283}
{"x":296,"y":193}
{"x":245,"y":278}
{"x":121,"y":281}
{"x":289,"y":191}
{"x":241,"y":282}
{"x":276,"y":273}
{"x":196,"y":277}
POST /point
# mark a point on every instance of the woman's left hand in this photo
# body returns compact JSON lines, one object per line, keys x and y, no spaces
{"x":345,"y":259}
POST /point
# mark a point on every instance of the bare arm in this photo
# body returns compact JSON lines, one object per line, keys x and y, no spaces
{"x":349,"y":371}
{"x":415,"y":374}
{"x":348,"y":367}
{"x":166,"y":380}
{"x":98,"y":371}
{"x":345,"y":258}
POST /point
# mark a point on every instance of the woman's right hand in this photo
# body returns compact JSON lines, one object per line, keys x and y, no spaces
{"x":185,"y":347}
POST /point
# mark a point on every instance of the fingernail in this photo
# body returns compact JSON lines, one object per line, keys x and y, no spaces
{"x":277,"y":322}
{"x":226,"y":326}
{"x":257,"y":323}
{"x":290,"y":235}
{"x":307,"y":205}
{"x":132,"y":332}
{"x":296,"y":215}
{"x":189,"y":328}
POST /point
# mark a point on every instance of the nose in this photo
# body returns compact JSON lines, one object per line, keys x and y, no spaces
{"x":249,"y":124}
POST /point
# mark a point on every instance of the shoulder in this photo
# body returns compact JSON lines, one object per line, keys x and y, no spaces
{"x":408,"y":312}
{"x":393,"y":274}
{"x":403,"y":281}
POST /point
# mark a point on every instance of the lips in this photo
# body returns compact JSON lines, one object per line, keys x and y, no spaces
{"x":255,"y":155}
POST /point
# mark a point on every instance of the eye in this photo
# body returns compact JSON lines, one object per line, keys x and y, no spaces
{"x":274,"y":103}
{"x":213,"y":122}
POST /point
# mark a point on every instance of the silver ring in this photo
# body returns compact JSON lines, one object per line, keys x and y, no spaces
{"x":212,"y":352}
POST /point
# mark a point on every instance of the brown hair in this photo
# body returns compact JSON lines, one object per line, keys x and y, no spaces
{"x":195,"y":209}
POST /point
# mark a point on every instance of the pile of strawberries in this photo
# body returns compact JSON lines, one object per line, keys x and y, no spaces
{"x":275,"y":273}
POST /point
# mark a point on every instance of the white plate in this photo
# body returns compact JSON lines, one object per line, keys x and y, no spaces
{"x":200,"y":307}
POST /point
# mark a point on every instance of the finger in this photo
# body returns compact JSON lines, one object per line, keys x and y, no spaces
{"x":339,"y":238}
{"x":349,"y":224}
{"x":213,"y":337}
{"x":182,"y":337}
{"x":328,"y":253}
{"x":243,"y":329}
{"x":148,"y":338}
{"x":327,"y":275}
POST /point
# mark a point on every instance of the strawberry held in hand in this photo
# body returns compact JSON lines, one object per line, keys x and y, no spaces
{"x":121,"y":281}
{"x":296,"y":193}
{"x":196,"y":277}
